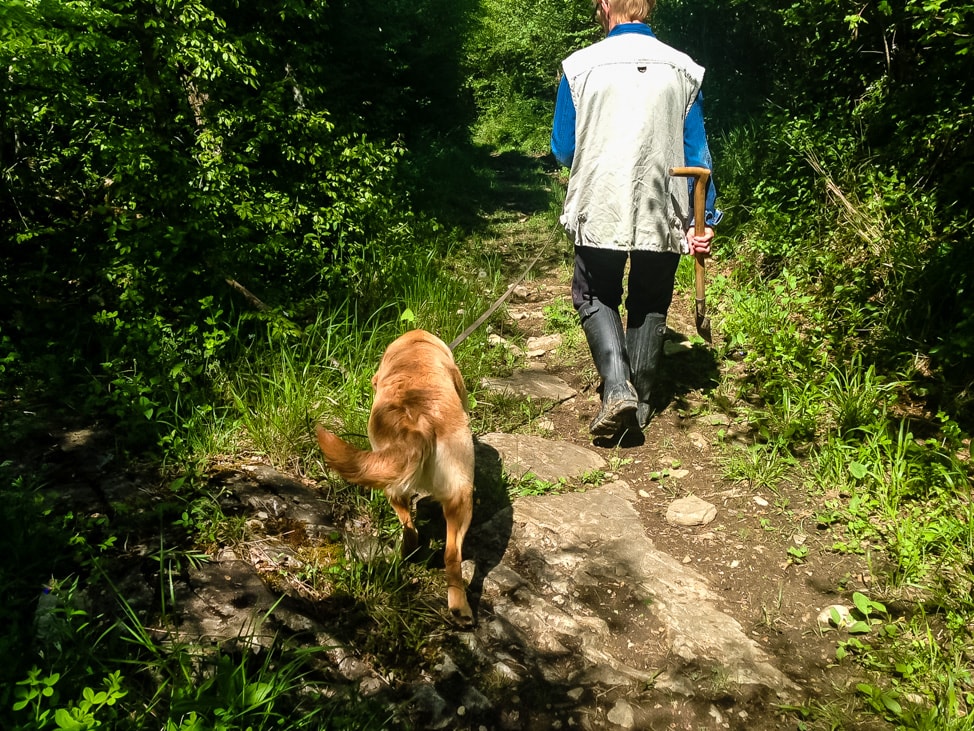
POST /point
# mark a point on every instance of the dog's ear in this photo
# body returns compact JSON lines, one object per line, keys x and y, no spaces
{"x":459,"y":385}
{"x":375,"y":378}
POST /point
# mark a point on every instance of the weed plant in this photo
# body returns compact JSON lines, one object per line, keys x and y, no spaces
{"x":829,"y":333}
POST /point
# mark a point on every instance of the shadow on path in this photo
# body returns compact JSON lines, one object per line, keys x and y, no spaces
{"x":493,"y":518}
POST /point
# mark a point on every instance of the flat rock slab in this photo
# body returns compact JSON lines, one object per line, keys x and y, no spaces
{"x":272,"y":495}
{"x":548,"y":459}
{"x":584,"y":586}
{"x":541,"y":345}
{"x":226,"y":601}
{"x":534,"y":384}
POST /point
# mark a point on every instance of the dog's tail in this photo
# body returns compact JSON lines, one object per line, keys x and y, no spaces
{"x":375,"y":470}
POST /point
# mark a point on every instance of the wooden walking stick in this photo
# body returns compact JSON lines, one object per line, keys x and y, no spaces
{"x":701,"y":176}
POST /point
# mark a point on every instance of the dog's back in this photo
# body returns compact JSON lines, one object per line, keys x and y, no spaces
{"x":418,"y":412}
{"x":421,"y":445}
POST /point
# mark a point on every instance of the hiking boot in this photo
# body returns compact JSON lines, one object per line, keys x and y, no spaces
{"x":607,"y":342}
{"x":644,"y":343}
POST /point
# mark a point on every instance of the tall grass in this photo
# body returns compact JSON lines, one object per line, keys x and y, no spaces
{"x":291,"y":381}
{"x":322,"y":373}
{"x":827,"y":329}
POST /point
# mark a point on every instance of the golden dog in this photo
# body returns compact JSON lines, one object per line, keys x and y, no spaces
{"x":422,"y":446}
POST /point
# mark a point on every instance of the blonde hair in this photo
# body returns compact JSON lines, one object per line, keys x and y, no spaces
{"x":631,"y":9}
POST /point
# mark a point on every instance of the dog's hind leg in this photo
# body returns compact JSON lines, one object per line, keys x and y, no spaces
{"x":457,"y":513}
{"x":410,"y":537}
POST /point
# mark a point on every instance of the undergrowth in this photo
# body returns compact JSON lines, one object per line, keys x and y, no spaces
{"x":847,"y":396}
{"x":88,"y":655}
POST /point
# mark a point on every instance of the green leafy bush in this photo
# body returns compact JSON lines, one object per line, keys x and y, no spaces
{"x":161,"y":161}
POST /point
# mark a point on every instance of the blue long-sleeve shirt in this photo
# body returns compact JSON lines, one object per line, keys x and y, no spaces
{"x":696,"y":151}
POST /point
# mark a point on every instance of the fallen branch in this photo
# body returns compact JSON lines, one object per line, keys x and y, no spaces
{"x":248,"y":295}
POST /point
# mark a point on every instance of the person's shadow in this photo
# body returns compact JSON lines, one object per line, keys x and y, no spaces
{"x":695,"y":370}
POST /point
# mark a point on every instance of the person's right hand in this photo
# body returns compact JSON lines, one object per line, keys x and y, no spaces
{"x":700,"y":244}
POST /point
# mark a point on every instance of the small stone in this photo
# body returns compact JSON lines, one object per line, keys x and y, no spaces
{"x":503,"y":579}
{"x":544,"y":343}
{"x":447,"y":668}
{"x":621,"y":714}
{"x":433,"y":706}
{"x":505,"y":671}
{"x":227,"y":554}
{"x":843,"y":613}
{"x":761,"y":501}
{"x":370,"y":686}
{"x":690,"y":511}
{"x":495,"y":340}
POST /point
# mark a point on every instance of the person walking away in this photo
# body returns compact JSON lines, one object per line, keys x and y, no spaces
{"x":628,"y":109}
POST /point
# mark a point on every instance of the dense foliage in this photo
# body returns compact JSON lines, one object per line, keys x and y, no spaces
{"x":514,"y":58}
{"x":158,"y":159}
{"x":847,"y":150}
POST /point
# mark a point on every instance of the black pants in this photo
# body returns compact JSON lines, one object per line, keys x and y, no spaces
{"x":599,"y":273}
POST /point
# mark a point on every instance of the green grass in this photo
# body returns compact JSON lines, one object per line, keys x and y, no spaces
{"x":840,"y":426}
{"x":843,"y":400}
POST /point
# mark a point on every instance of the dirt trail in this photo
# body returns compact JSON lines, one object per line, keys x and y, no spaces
{"x":766,"y":554}
{"x":744,"y":552}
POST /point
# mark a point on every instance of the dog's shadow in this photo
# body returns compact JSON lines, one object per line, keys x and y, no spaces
{"x":490,"y":529}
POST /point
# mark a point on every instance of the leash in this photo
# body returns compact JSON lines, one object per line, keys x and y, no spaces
{"x":497,"y":303}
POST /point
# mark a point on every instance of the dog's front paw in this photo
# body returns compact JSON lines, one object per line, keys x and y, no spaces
{"x":463,"y":617}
